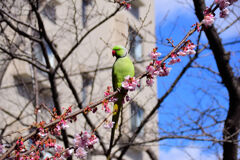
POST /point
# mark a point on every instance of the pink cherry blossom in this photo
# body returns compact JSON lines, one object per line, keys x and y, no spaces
{"x":151,"y":69}
{"x":208,"y":20}
{"x":150,"y":81}
{"x":108,"y":91}
{"x":105,"y":106}
{"x":58,"y":148}
{"x":49,"y":144}
{"x":182,"y":53}
{"x":191,"y":46}
{"x":190,"y":51}
{"x":68,"y":153}
{"x":78,"y":142}
{"x":113,"y":99}
{"x":85,"y":140}
{"x":56,"y":131}
{"x":222,"y":3}
{"x":106,"y":94}
{"x":63,"y":124}
{"x":174,"y":55}
{"x":42,"y":133}
{"x":81,"y":139}
{"x":81,"y":152}
{"x":154,"y":55}
{"x":224,"y":13}
{"x":158,"y":63}
{"x":173,"y":61}
{"x":164,"y":71}
{"x":130,"y":83}
{"x":128,"y":6}
{"x":91,"y":141}
{"x":108,"y":125}
{"x":33,"y":156}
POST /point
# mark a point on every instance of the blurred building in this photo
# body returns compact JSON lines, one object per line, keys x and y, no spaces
{"x":23,"y":86}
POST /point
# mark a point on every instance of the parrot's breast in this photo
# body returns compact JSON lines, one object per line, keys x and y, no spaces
{"x":121,"y":68}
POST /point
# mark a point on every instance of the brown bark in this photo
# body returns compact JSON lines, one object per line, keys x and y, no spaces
{"x":232,"y":83}
{"x":151,"y":154}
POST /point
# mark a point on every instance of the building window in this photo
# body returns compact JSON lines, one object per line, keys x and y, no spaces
{"x":135,"y":42}
{"x":134,"y":10}
{"x":137,"y":116}
{"x":25,"y":88}
{"x":37,"y":50}
{"x":85,"y":4}
{"x":49,"y":11}
{"x":135,"y":6}
{"x":87,"y":80}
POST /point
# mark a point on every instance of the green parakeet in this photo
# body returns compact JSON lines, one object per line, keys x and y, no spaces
{"x":122,"y":67}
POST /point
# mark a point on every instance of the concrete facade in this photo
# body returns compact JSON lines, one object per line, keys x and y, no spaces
{"x":89,"y":68}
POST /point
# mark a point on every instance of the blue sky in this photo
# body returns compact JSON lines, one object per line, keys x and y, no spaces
{"x":195,"y":89}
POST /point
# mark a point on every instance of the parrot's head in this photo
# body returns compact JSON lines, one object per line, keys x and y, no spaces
{"x":119,"y":51}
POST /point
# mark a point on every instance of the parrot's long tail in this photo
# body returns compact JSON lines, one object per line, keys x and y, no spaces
{"x":116,"y":113}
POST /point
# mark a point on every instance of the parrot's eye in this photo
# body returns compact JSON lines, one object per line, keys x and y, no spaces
{"x":113,"y":52}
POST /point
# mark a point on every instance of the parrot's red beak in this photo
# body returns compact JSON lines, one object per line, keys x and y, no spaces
{"x":113,"y":53}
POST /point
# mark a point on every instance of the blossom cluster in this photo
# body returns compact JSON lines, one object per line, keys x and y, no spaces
{"x":208,"y":18}
{"x":34,"y":155}
{"x":187,"y":49}
{"x":88,"y":109}
{"x":31,"y":156}
{"x":83,"y":142}
{"x":224,"y":11}
{"x":223,"y":4}
{"x":42,"y":139}
{"x":105,"y":106}
{"x":56,"y":129}
{"x":108,"y":124}
{"x":109,"y":92}
{"x":60,"y":153}
{"x":154,"y":54}
{"x":130,"y":83}
{"x":62,"y":124}
{"x":20,"y":147}
{"x":106,"y":101}
{"x":156,"y":67}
